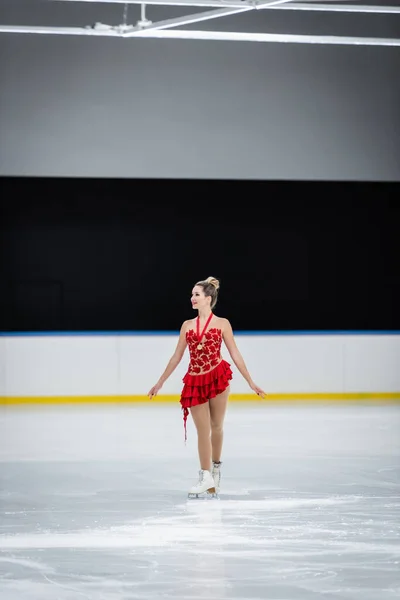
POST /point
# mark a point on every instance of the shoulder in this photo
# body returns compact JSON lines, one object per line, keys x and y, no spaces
{"x":186,"y":325}
{"x":223,"y":323}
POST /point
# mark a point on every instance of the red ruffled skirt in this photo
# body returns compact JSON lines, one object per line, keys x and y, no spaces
{"x":199,"y":389}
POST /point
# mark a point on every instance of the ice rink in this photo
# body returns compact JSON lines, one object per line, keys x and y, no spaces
{"x":94,"y":504}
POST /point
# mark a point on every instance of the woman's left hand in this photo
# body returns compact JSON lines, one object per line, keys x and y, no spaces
{"x":258,"y":390}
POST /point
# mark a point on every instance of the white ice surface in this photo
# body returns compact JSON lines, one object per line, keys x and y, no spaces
{"x":93,"y":504}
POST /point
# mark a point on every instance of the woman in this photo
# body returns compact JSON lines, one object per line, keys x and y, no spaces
{"x":207,"y":381}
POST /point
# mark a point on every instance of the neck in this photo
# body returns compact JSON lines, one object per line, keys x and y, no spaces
{"x":204,"y":313}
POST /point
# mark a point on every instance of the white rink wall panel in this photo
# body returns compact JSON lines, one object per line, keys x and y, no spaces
{"x":3,"y":388}
{"x":142,"y":360}
{"x":129,"y":364}
{"x":373,"y":360}
{"x":61,"y":365}
{"x":292,"y":363}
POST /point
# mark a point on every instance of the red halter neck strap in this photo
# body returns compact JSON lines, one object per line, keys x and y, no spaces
{"x":199,"y":336}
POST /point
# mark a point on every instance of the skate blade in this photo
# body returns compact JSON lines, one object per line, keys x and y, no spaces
{"x":211,"y":493}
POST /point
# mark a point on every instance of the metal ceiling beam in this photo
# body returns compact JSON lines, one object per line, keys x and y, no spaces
{"x":38,"y":29}
{"x":267,"y":37}
{"x":305,"y":6}
{"x":187,"y":20}
{"x":162,"y":29}
{"x":206,"y":35}
{"x":343,"y":8}
{"x":196,"y":17}
{"x":179,"y":21}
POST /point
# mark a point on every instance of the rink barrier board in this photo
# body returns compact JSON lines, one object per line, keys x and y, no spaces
{"x":174,"y":398}
{"x":165,"y":398}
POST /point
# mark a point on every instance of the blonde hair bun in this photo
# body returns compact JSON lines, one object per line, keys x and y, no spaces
{"x":213,"y":282}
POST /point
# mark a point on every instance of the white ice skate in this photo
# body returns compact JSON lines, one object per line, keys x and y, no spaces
{"x":216,"y":474}
{"x":205,"y":486}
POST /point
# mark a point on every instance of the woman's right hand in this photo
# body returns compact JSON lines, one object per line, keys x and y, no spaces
{"x":154,"y":390}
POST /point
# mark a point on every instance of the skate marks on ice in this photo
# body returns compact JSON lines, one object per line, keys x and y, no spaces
{"x":346,"y":546}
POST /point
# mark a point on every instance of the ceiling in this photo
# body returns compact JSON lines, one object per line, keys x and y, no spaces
{"x":344,"y":22}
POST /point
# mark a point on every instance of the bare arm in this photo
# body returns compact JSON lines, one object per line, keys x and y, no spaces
{"x":237,"y":357}
{"x":173,"y":361}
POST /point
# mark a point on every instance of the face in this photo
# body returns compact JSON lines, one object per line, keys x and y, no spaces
{"x":198,"y":299}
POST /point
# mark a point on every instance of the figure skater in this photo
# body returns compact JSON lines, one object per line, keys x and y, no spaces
{"x":207,"y":381}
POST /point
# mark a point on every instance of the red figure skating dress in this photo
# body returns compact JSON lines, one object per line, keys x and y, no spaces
{"x":208,"y":374}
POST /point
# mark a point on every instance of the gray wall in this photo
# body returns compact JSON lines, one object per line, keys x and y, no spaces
{"x":99,"y":107}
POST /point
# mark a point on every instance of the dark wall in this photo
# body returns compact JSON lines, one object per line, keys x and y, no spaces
{"x":124,"y":255}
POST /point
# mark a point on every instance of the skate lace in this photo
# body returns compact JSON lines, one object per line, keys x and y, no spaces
{"x":201,"y":476}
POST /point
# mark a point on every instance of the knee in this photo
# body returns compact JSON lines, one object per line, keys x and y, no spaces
{"x":216,"y":427}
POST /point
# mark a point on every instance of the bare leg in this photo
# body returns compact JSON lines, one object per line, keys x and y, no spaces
{"x":201,"y":419}
{"x":218,"y":407}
